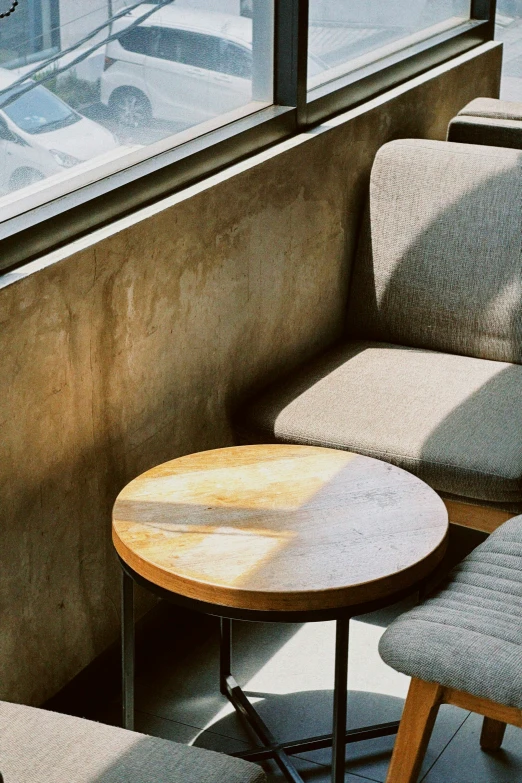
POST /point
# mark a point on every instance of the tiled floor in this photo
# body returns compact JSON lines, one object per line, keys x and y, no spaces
{"x":288,"y":671}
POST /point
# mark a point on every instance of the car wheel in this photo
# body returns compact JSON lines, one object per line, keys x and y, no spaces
{"x":130,"y":107}
{"x":22,"y":178}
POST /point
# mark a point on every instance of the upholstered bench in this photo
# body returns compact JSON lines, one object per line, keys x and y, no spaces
{"x":488,"y":121}
{"x":37,"y":746}
{"x":462,"y":646}
{"x":428,"y":375}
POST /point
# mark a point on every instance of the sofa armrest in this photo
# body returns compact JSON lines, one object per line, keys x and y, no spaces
{"x":488,"y":121}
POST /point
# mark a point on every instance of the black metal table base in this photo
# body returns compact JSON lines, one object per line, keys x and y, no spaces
{"x":280,"y":752}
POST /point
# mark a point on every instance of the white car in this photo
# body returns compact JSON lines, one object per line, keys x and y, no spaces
{"x":40,"y":135}
{"x":179,"y":65}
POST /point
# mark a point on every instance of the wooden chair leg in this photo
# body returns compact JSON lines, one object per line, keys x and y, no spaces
{"x":492,"y":734}
{"x":418,"y":719}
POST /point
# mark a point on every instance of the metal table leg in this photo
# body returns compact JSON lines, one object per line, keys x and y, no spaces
{"x":340,"y":699}
{"x":127,"y":651}
{"x":280,"y":752}
{"x":241,"y":704}
{"x":225,"y":653}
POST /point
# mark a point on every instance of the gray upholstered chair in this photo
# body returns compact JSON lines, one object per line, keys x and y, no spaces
{"x":463,"y":647}
{"x":37,"y":746}
{"x":488,"y":121}
{"x":428,"y":375}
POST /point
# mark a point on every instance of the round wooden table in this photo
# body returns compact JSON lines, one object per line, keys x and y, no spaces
{"x":277,"y":533}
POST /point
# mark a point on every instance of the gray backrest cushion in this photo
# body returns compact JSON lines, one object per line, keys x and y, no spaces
{"x":439,"y":263}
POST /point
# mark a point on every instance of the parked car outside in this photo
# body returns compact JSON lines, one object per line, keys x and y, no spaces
{"x":179,"y":65}
{"x":41,"y":135}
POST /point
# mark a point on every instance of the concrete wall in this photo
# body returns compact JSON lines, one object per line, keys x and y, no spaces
{"x":129,"y":347}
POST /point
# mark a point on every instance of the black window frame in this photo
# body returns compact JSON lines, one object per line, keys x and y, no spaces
{"x":56,"y":223}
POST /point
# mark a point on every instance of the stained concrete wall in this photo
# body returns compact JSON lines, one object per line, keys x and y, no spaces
{"x":129,"y":347}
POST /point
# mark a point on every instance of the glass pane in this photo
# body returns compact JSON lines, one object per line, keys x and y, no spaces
{"x":86,"y":88}
{"x":348,"y":34}
{"x":509,"y":31}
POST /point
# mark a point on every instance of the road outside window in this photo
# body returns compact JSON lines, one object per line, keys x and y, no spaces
{"x":347,"y":35}
{"x":509,"y":31}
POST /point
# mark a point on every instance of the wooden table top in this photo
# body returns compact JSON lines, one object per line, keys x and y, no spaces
{"x":280,"y":527}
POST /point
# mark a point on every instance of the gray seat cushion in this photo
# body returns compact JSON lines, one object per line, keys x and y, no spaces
{"x":37,"y":746}
{"x":454,"y":421}
{"x":440,"y":259}
{"x":468,"y":636}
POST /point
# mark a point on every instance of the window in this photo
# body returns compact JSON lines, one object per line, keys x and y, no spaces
{"x":346,"y":35}
{"x":104,"y":106}
{"x":508,"y":29}
{"x":122,"y":80}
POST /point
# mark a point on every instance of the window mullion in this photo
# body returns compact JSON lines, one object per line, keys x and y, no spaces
{"x":486,"y":10}
{"x":291,"y":55}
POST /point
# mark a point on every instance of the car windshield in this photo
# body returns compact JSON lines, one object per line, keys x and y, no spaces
{"x":38,"y":110}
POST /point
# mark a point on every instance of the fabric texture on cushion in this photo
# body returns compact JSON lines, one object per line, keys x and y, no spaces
{"x":439,"y":263}
{"x":489,"y":132}
{"x":454,"y":421}
{"x":468,"y":636}
{"x":492,"y":108}
{"x":37,"y":746}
